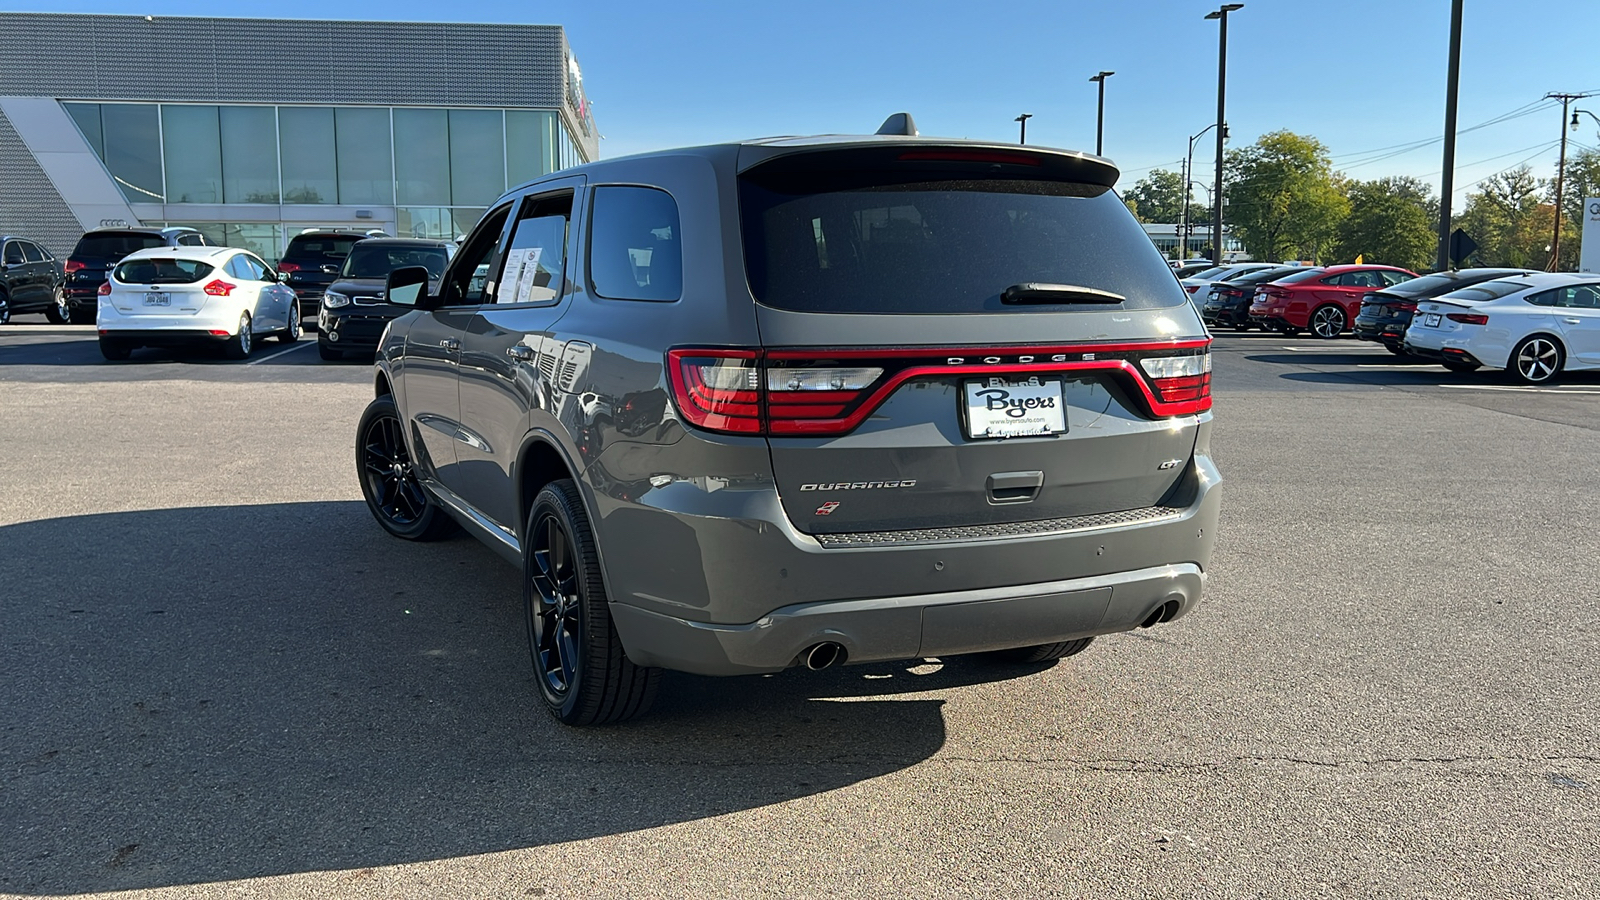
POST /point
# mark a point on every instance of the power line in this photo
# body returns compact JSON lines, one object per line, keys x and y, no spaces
{"x":1384,"y":153}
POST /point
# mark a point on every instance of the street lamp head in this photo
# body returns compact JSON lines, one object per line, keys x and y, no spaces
{"x":1023,"y":118}
{"x":1226,"y":8}
{"x":1574,"y":120}
{"x":1102,"y":76}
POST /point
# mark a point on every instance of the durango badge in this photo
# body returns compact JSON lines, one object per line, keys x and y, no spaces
{"x":827,"y":509}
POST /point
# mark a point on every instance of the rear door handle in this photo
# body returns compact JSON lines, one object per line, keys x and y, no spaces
{"x":1573,"y":321}
{"x":520,"y":352}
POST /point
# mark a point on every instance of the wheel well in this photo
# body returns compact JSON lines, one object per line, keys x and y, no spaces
{"x":382,"y":387}
{"x":540,"y":465}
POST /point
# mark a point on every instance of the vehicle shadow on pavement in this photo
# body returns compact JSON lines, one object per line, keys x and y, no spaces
{"x":216,"y":693}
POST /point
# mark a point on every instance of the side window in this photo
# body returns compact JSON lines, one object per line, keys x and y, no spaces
{"x":256,"y":268}
{"x":1360,"y":280}
{"x":1544,"y":298}
{"x":13,"y":254}
{"x":635,"y":251}
{"x":1391,"y":279}
{"x":470,"y":282}
{"x":537,"y":253}
{"x":31,"y":252}
{"x":236,"y":268}
{"x":1579,"y":297}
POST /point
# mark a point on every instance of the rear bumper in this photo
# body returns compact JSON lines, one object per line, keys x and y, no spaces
{"x":162,"y":337}
{"x":912,"y":627}
{"x":1380,"y":332}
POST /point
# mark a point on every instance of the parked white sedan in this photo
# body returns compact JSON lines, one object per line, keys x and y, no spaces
{"x":1533,"y":326}
{"x":169,"y":296}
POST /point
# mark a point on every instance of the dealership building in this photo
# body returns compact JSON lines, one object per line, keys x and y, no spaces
{"x":253,"y":130}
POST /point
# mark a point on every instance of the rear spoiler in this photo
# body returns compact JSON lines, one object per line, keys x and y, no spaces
{"x":938,"y":159}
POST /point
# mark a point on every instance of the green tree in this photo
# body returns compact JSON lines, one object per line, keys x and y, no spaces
{"x":1508,"y":221}
{"x":1157,"y":197}
{"x":1390,"y":223}
{"x":1283,"y":198}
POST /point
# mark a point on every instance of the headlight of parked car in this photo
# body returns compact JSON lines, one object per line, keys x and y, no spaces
{"x":334,"y":300}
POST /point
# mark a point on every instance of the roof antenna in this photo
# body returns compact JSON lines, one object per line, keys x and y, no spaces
{"x":899,"y":123}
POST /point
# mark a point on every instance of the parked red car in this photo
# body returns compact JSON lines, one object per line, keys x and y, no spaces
{"x":1325,"y":301}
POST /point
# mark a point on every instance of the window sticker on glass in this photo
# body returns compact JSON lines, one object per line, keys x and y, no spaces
{"x":521,"y":277}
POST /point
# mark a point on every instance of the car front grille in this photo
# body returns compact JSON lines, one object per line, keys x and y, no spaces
{"x":999,"y":531}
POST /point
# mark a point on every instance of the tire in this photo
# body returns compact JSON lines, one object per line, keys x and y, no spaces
{"x":328,"y":353}
{"x":1328,"y":321}
{"x":1537,"y":359}
{"x":114,"y":350}
{"x":59,"y":313}
{"x":240,"y":345}
{"x":292,"y":333}
{"x":1397,"y":350}
{"x":389,"y":480}
{"x":584,"y":676}
{"x":1459,"y":366}
{"x":1041,"y":653}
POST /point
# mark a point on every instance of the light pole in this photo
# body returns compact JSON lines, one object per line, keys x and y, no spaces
{"x":1023,"y":139}
{"x":1188,"y":170}
{"x":1221,"y":15}
{"x":1452,"y":91}
{"x":1100,"y":116}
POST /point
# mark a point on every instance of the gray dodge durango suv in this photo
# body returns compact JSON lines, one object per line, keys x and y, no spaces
{"x":804,"y":402}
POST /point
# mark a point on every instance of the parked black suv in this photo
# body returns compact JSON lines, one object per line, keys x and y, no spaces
{"x":804,"y":401}
{"x":312,"y":262}
{"x":353,"y":312}
{"x":101,"y":249}
{"x":30,"y":281}
{"x":1385,"y":315}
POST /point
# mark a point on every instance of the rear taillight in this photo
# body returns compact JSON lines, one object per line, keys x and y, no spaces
{"x":73,"y":265}
{"x":288,"y":266}
{"x":1192,"y":288}
{"x":219,"y":288}
{"x":105,"y":289}
{"x":1468,"y":318}
{"x":828,"y":392}
{"x":1181,"y":379}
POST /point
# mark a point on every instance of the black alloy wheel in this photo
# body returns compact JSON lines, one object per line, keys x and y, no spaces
{"x":389,"y":480}
{"x":585,"y":677}
{"x":1327,"y":322}
{"x":59,"y":313}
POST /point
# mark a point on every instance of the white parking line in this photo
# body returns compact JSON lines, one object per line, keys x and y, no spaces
{"x":1424,"y":367}
{"x":1523,"y":390}
{"x":1335,"y":349}
{"x":297,"y":346}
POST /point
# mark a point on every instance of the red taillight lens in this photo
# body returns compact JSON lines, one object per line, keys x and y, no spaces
{"x":73,"y":265}
{"x":1468,"y":318}
{"x":105,"y":289}
{"x":812,"y":400}
{"x":1192,"y":288}
{"x":219,"y":288}
{"x":719,"y":390}
{"x":288,"y":266}
{"x":1181,"y":379}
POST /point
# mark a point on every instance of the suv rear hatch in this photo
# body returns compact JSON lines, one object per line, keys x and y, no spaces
{"x":98,"y":251}
{"x":957,"y":338}
{"x":313,"y":260}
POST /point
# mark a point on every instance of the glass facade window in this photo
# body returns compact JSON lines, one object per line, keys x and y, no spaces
{"x":531,"y":142}
{"x":422,"y":157}
{"x":193,"y":154}
{"x":132,"y":136}
{"x":307,"y":149}
{"x":477,"y":156}
{"x":249,"y":154}
{"x":443,"y":223}
{"x":363,"y":155}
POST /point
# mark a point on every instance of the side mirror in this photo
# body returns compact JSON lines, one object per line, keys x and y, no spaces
{"x":407,"y":286}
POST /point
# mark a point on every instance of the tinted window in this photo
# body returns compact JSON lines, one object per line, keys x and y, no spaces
{"x":370,"y":259}
{"x":1581,"y":296}
{"x":31,"y":252}
{"x":1393,"y":278}
{"x":328,"y":248}
{"x":162,"y":271}
{"x":536,"y":255}
{"x":1261,"y":276}
{"x":831,"y":243}
{"x":14,"y":255}
{"x":253,"y":269}
{"x":191,"y":240}
{"x":1488,"y":290}
{"x":116,"y":245}
{"x":634,"y":247}
{"x":1208,"y":274}
{"x":1358,"y":279}
{"x":1418,"y":287}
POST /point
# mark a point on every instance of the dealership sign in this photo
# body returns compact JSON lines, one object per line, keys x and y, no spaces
{"x":1590,"y":259}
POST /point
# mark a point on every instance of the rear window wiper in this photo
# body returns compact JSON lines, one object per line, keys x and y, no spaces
{"x":1044,"y":292}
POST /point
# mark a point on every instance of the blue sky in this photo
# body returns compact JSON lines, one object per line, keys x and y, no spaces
{"x":1357,"y":74}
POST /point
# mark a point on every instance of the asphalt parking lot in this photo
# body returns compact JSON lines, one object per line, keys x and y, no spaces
{"x":222,"y":678}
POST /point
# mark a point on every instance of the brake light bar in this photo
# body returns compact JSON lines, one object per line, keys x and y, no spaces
{"x":105,"y":289}
{"x":829,"y":392}
{"x":1003,"y":157}
{"x":288,"y":266}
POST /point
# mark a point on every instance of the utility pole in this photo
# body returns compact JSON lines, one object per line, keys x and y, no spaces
{"x":1222,"y":93}
{"x":1452,"y":89}
{"x":1561,"y":172}
{"x":1024,"y":120}
{"x":1100,"y":116}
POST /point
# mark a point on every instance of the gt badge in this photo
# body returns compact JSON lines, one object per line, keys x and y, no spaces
{"x":827,"y":509}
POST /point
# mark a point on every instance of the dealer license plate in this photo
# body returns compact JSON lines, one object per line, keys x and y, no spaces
{"x":1431,"y":320}
{"x":158,"y":299}
{"x":1001,"y":408}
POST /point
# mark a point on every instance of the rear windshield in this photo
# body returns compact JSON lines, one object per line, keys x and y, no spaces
{"x":162,"y":271}
{"x":820,"y":243}
{"x":116,"y":246}
{"x":328,"y":248}
{"x":1298,"y":277}
{"x":377,"y":260}
{"x":1260,"y":275}
{"x":1486,"y":291}
{"x":1207,"y":274}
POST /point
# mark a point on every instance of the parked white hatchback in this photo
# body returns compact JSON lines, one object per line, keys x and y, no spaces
{"x":169,"y":296}
{"x":1533,"y":326}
